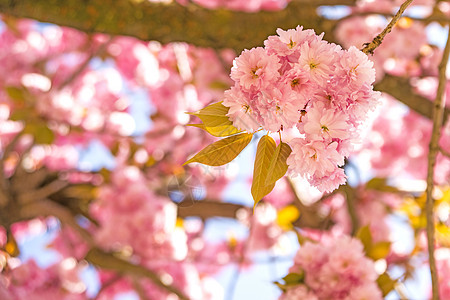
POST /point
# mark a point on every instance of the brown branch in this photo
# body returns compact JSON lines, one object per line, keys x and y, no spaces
{"x":108,"y":261}
{"x":370,"y":47}
{"x":434,"y":17}
{"x":106,"y":285}
{"x":46,"y":208}
{"x":206,"y":209}
{"x":308,"y":214}
{"x":444,"y":152}
{"x":401,"y":89}
{"x":42,"y":193}
{"x":350,"y":200}
{"x":327,"y":2}
{"x":438,"y":115}
{"x":139,"y":289}
{"x":4,"y":184}
{"x":85,"y":64}
{"x":169,"y":22}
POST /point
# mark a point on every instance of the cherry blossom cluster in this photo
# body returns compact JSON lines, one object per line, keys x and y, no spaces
{"x":300,"y":81}
{"x":29,"y":281}
{"x":335,"y":268}
{"x":137,"y":208}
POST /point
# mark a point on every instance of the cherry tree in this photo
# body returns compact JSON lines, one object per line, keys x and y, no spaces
{"x":122,"y":124}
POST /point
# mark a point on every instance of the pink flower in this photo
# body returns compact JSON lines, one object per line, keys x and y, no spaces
{"x":280,"y":109}
{"x":288,"y":42}
{"x":241,"y":112}
{"x":298,"y":80}
{"x":355,"y":68}
{"x":329,"y":182}
{"x":314,"y":158}
{"x":255,"y":68}
{"x":298,"y":292}
{"x":326,"y":124}
{"x":337,"y":269}
{"x":366,"y":292}
{"x":317,"y":58}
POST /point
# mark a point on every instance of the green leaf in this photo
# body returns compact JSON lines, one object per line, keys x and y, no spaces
{"x":216,"y":109}
{"x":221,"y":130}
{"x":201,"y":126}
{"x":380,"y":184}
{"x":264,"y":152}
{"x":365,"y":236}
{"x":215,"y":120}
{"x":278,"y":165}
{"x":15,"y":93}
{"x":219,"y":85}
{"x":293,"y":278}
{"x":42,"y":134}
{"x":223,"y":151}
{"x":280,"y":286}
{"x":379,"y":250}
{"x":386,"y":283}
{"x":302,"y":240}
{"x":21,"y":114}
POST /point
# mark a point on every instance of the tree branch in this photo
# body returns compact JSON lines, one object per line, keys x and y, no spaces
{"x":444,"y":152}
{"x":171,"y":22}
{"x":46,"y":208}
{"x":108,"y":261}
{"x":438,"y":113}
{"x":350,"y":200}
{"x":206,"y":209}
{"x":370,"y":47}
{"x":400,"y":89}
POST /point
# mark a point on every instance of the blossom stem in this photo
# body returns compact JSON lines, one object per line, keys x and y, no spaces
{"x":4,"y":184}
{"x":370,"y":47}
{"x":438,"y":111}
{"x":444,"y":152}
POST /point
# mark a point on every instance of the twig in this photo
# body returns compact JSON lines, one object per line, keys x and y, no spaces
{"x":83,"y":66}
{"x":427,"y":20}
{"x":42,"y":193}
{"x":400,"y":290}
{"x":400,"y":88}
{"x":46,"y":208}
{"x":370,"y":47}
{"x":308,"y":214}
{"x":106,"y":285}
{"x":108,"y":261}
{"x":4,"y":184}
{"x":444,"y":152}
{"x":139,"y":288}
{"x":438,"y":112}
{"x":351,"y":207}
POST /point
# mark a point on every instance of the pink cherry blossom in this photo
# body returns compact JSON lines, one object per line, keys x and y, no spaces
{"x":356,"y":68}
{"x":299,"y":80}
{"x":298,"y":292}
{"x":320,"y":123}
{"x":255,"y":69}
{"x":242,"y":112}
{"x":336,"y":268}
{"x":315,"y":158}
{"x":288,"y":42}
{"x":317,"y":59}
